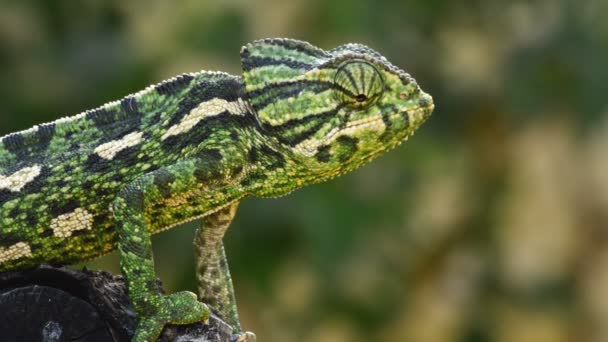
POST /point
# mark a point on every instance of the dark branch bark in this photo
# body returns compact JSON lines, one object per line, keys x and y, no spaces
{"x":61,"y":304}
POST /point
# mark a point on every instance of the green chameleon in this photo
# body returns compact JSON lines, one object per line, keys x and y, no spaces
{"x":193,"y":147}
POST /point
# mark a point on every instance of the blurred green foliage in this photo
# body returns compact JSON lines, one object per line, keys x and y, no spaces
{"x":491,"y":224}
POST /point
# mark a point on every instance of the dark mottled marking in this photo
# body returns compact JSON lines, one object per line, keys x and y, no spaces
{"x":152,"y":286}
{"x":14,"y":143}
{"x":212,"y":155}
{"x":406,"y":117}
{"x":59,"y":208}
{"x":215,"y":273}
{"x":14,"y":212}
{"x":5,"y":195}
{"x":114,"y":122}
{"x":177,"y":143}
{"x":88,"y":185}
{"x":61,"y":183}
{"x":31,"y":220}
{"x":8,"y":239}
{"x":386,"y":120}
{"x":205,"y":171}
{"x":129,"y":105}
{"x":180,"y":216}
{"x":175,"y":86}
{"x":235,"y":171}
{"x":129,"y":155}
{"x":252,"y":155}
{"x":44,"y":135}
{"x":274,"y":159}
{"x":254,"y":177}
{"x":47,"y":233}
{"x":99,"y":220}
{"x":117,"y":177}
{"x":85,"y":233}
{"x":35,"y":246}
{"x":94,"y":163}
{"x":163,"y":180}
{"x":102,"y":117}
{"x":387,"y":111}
{"x":349,"y":144}
{"x":23,"y":145}
{"x":323,"y":154}
{"x":234,"y":136}
{"x":217,"y":288}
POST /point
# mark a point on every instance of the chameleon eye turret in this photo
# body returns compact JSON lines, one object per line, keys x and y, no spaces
{"x":193,"y":147}
{"x":358,"y":84}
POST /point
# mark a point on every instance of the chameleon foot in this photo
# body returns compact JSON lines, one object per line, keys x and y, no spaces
{"x":243,"y":337}
{"x":178,"y":308}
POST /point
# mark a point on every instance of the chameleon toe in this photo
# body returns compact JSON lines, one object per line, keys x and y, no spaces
{"x":244,"y":337}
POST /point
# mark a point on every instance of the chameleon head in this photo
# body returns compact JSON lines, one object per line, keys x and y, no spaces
{"x":334,"y":109}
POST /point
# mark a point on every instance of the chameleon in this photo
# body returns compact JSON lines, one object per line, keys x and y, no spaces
{"x":192,"y":147}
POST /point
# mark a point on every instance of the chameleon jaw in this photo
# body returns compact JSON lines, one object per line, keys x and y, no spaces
{"x":309,"y":147}
{"x":376,"y":122}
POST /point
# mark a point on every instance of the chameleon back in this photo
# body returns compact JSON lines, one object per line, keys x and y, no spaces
{"x":57,"y":180}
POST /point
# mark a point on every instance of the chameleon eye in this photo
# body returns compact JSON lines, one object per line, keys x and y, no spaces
{"x":358,"y":84}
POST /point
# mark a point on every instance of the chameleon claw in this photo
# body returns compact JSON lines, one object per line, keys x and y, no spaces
{"x":244,"y":337}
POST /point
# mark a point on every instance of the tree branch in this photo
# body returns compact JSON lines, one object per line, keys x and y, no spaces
{"x":61,"y":304}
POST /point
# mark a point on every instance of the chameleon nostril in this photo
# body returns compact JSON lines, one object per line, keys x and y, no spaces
{"x":403,"y":96}
{"x":425,"y":101}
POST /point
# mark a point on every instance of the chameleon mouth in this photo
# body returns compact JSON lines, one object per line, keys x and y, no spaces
{"x":376,"y":122}
{"x":378,"y":119}
{"x":423,"y":112}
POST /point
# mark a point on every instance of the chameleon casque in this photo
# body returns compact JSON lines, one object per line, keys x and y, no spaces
{"x":193,"y":147}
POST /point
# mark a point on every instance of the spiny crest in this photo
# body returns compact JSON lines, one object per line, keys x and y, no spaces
{"x":38,"y":137}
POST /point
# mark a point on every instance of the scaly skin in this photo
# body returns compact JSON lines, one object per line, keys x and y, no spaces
{"x":193,"y":147}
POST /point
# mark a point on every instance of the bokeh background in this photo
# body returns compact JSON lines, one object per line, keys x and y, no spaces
{"x":491,"y":224}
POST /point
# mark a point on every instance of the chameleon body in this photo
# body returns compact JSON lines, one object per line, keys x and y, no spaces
{"x":193,"y":147}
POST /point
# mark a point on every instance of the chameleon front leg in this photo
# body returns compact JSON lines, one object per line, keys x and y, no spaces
{"x":214,"y":281}
{"x":135,"y":249}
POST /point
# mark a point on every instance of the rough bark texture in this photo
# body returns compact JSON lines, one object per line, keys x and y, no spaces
{"x":53,"y":304}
